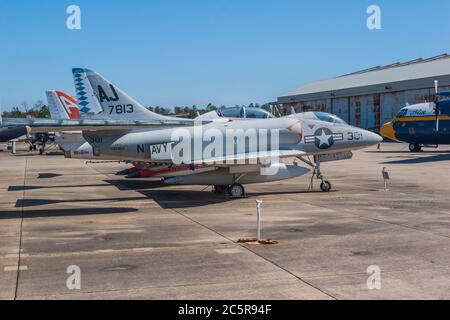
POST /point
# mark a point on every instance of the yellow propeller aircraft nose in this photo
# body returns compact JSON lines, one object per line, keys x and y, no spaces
{"x":387,"y":131}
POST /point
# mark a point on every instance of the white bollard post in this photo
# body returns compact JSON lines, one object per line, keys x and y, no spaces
{"x":258,"y":218}
{"x":13,"y":147}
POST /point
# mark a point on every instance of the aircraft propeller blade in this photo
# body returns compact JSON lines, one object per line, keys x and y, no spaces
{"x":438,"y":113}
{"x":437,"y":110}
{"x":437,"y":120}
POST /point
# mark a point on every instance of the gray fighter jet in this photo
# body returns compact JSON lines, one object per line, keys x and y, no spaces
{"x":226,"y":154}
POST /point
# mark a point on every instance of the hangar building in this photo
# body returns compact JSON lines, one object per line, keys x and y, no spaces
{"x":372,"y":97}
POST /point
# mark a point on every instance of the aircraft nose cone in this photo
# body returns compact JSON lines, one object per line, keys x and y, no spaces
{"x":371,"y":138}
{"x":387,"y":131}
{"x":376,"y":138}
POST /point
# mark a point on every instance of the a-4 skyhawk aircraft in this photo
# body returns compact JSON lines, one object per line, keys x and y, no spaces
{"x":225,"y":154}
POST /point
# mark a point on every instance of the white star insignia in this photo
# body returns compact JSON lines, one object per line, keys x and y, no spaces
{"x":324,"y":139}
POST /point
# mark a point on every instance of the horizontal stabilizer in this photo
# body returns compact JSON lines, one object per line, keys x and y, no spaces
{"x":100,"y":125}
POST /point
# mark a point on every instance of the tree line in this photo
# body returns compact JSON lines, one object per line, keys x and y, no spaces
{"x":194,"y":111}
{"x":41,"y":110}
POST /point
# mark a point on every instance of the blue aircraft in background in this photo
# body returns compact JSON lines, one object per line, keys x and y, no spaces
{"x":422,"y":125}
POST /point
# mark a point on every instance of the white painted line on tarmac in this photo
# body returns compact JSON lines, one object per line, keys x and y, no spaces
{"x":14,"y":268}
{"x":16,"y":256}
{"x":229,"y":251}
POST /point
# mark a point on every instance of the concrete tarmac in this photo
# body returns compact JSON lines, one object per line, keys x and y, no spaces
{"x":139,"y":239}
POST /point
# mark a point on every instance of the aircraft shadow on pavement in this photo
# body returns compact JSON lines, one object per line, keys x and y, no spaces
{"x":17,"y":214}
{"x":48,"y":175}
{"x":25,"y":203}
{"x":36,"y":154}
{"x":26,"y":188}
{"x":157,"y":191}
{"x":136,"y":184}
{"x":287,"y":192}
{"x":409,"y":152}
{"x":417,"y":160}
{"x":179,"y":199}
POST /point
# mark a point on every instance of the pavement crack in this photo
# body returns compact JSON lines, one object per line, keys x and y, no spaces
{"x":21,"y":229}
{"x":244,"y":247}
{"x":257,"y":254}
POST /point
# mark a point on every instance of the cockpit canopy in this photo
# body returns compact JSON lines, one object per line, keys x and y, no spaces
{"x":421,"y":109}
{"x":328,"y":117}
{"x":245,"y":112}
{"x":322,"y":116}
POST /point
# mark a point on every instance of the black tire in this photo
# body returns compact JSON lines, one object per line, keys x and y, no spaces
{"x":415,"y":147}
{"x":325,"y":186}
{"x":41,"y":151}
{"x":236,"y":191}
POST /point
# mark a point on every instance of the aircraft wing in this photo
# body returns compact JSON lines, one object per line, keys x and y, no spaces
{"x":251,"y":158}
{"x":102,"y":125}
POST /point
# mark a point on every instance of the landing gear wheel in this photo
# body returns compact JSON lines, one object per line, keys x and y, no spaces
{"x":325,"y":186}
{"x":220,"y":189}
{"x":236,"y":191}
{"x":41,"y":151}
{"x":414,"y":147}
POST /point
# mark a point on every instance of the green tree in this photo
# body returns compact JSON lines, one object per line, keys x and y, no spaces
{"x":193,"y":112}
{"x":16,"y":113}
{"x":178,"y":110}
{"x":39,"y":110}
{"x":44,"y":112}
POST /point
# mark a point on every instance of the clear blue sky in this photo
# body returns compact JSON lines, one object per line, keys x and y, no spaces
{"x":189,"y":52}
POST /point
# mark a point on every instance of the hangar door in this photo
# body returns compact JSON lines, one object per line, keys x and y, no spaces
{"x":365,"y":112}
{"x":391,"y":103}
{"x":340,"y":108}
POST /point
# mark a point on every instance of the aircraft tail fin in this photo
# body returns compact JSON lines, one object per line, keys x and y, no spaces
{"x":87,"y":100}
{"x":98,"y":95}
{"x":62,"y":106}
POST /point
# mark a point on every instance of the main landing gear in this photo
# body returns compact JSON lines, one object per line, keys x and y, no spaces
{"x":325,"y":185}
{"x":235,"y":191}
{"x":414,"y":147}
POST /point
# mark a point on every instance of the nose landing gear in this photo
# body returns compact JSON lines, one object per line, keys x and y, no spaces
{"x":325,"y":185}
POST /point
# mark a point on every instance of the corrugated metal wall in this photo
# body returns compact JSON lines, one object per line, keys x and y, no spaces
{"x":369,"y":111}
{"x":340,"y":108}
